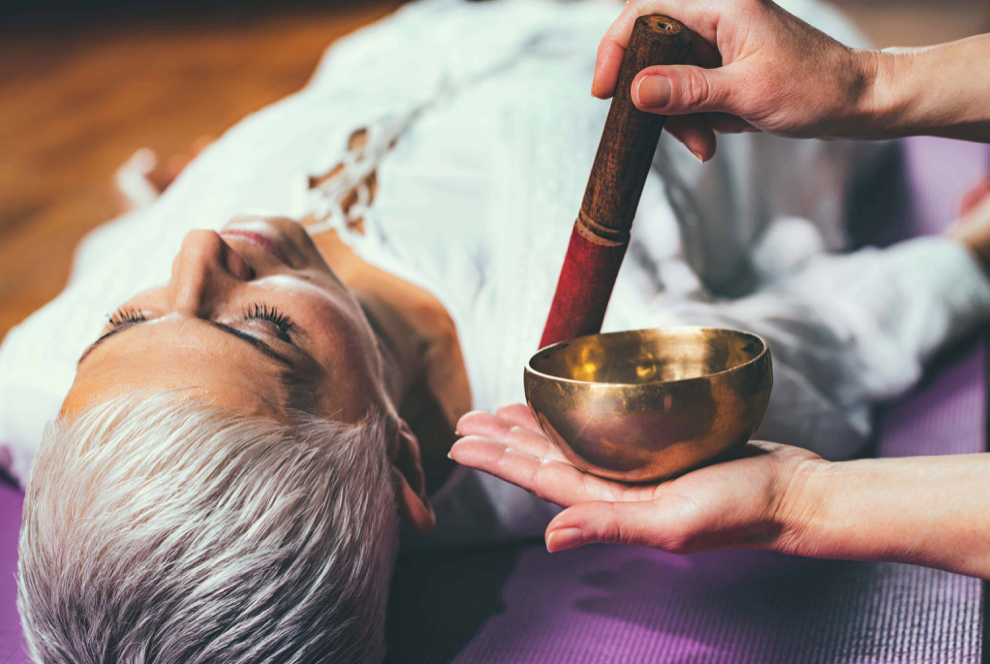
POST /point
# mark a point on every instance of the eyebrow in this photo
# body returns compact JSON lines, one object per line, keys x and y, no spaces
{"x":258,"y":344}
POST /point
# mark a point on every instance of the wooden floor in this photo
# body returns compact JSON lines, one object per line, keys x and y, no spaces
{"x":74,"y":105}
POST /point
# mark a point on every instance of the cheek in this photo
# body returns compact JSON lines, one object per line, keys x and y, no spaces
{"x":342,"y":338}
{"x":350,"y":342}
{"x":351,"y":366}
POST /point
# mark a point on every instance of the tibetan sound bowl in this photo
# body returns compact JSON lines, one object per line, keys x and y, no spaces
{"x":644,"y":405}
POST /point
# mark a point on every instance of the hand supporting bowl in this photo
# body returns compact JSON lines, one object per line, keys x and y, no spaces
{"x":643,"y":405}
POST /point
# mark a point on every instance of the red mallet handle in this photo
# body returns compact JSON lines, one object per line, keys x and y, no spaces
{"x":601,"y":232}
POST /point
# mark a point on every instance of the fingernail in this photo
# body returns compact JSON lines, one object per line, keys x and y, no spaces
{"x":450,"y":457}
{"x":697,"y":155}
{"x":564,"y":539}
{"x":653,"y":91}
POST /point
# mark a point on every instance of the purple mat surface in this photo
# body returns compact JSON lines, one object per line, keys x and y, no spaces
{"x":11,"y":650}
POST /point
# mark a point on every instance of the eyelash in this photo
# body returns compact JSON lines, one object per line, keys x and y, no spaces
{"x":272,"y":315}
{"x":125,"y":316}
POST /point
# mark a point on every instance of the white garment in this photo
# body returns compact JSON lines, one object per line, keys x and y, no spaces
{"x":476,"y":202}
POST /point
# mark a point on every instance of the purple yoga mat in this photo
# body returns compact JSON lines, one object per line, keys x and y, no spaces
{"x":11,"y":650}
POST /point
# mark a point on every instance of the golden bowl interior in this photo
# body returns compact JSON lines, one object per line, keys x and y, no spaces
{"x":646,"y":404}
{"x":648,"y":356}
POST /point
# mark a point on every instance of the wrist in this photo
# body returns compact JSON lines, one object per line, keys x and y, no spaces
{"x":890,"y":108}
{"x":872,"y":509}
{"x":874,"y":107}
{"x":836,"y":510}
{"x":922,"y":510}
{"x":803,"y":503}
{"x":937,"y":90}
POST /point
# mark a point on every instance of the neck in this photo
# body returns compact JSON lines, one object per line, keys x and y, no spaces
{"x":403,"y":351}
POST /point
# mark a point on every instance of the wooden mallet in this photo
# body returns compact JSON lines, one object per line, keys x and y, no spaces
{"x":601,"y":232}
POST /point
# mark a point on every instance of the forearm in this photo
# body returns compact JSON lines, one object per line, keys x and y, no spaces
{"x":940,"y":90}
{"x":932,"y":511}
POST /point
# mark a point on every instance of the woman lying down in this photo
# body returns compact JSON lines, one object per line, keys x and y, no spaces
{"x":258,"y":403}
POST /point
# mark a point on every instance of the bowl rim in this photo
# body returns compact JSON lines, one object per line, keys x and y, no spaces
{"x":535,"y":372}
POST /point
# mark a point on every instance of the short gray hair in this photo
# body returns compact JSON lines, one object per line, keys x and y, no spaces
{"x":159,"y":530}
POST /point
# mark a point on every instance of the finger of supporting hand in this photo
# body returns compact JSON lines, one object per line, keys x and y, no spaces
{"x":528,"y":438}
{"x":480,"y":423}
{"x":519,"y":414}
{"x":643,"y":523}
{"x":556,"y":481}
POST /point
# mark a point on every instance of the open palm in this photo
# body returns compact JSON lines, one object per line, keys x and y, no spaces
{"x":741,"y":502}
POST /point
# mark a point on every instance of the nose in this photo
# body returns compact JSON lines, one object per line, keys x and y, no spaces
{"x":204,"y":269}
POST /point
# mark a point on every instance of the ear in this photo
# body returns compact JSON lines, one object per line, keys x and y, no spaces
{"x":410,"y":481}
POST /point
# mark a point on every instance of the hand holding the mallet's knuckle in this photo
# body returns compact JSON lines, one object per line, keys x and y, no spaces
{"x":752,"y":67}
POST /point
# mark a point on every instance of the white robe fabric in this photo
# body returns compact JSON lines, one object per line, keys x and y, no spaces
{"x":496,"y":134}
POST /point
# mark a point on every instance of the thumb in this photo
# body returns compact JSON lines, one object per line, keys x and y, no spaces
{"x":683,"y":89}
{"x":644,"y":523}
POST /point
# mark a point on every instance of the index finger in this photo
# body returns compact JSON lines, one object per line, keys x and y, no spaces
{"x":520,"y":415}
{"x":612,"y":48}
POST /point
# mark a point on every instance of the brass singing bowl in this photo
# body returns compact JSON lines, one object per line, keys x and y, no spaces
{"x":644,"y":405}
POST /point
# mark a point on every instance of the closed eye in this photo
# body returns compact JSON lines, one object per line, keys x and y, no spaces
{"x":126,"y":315}
{"x":258,"y":344}
{"x":116,"y":328}
{"x":273,"y":315}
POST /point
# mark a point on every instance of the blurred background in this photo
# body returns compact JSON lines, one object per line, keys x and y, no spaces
{"x":85,"y":83}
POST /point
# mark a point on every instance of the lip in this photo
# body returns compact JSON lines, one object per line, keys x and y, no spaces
{"x":258,"y":240}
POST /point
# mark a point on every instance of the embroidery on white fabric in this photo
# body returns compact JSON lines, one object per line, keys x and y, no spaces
{"x":326,"y":195}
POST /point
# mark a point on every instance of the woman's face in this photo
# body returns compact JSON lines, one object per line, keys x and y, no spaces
{"x":252,"y":319}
